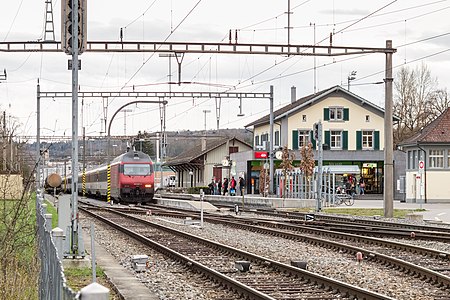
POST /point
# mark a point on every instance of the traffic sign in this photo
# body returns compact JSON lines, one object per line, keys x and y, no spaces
{"x":310,"y":217}
{"x":421,"y":166}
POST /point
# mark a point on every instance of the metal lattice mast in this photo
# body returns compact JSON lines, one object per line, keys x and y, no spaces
{"x":49,"y":34}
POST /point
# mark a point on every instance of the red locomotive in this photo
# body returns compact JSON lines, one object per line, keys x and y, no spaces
{"x":132,"y":179}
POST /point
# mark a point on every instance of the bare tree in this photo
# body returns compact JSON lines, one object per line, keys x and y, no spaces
{"x":286,"y":164}
{"x":415,"y":91}
{"x":440,"y":102}
{"x":307,"y":162}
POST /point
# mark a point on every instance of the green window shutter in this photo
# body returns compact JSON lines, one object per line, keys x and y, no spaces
{"x":311,"y":138}
{"x":359,"y":140}
{"x":344,"y":140}
{"x":327,"y":138}
{"x":346,"y":114}
{"x":294,"y":139}
{"x":376,"y":138}
{"x":326,"y":114}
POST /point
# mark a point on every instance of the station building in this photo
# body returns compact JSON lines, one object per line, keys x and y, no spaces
{"x":209,"y":159}
{"x":353,"y":135}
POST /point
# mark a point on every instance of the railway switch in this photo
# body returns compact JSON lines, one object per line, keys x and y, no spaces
{"x":299,"y":264}
{"x":242,"y":265}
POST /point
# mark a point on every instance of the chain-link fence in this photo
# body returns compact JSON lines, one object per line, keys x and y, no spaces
{"x":52,"y":283}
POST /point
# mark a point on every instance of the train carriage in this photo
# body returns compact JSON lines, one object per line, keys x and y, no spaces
{"x":132,"y":179}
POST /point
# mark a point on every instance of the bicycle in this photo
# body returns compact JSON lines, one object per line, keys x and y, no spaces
{"x":344,"y":198}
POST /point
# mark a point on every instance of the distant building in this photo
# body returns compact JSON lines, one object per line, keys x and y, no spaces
{"x":428,"y":162}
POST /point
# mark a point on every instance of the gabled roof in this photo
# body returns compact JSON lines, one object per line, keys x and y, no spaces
{"x":437,"y":131}
{"x":195,"y":152}
{"x":301,"y":103}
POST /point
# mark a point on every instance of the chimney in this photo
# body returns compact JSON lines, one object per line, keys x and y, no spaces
{"x":203,"y":144}
{"x":293,"y":94}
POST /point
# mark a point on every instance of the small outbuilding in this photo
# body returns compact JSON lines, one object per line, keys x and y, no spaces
{"x":428,"y":162}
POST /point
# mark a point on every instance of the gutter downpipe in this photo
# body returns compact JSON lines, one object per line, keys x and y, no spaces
{"x":424,"y":172}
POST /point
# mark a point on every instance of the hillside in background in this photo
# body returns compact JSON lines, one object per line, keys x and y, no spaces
{"x":95,"y":150}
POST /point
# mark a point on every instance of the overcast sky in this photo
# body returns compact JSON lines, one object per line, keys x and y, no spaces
{"x":419,"y":30}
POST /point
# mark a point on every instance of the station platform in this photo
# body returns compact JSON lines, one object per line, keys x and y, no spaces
{"x":124,"y":281}
{"x":433,"y":212}
{"x":187,"y":204}
{"x":249,"y":200}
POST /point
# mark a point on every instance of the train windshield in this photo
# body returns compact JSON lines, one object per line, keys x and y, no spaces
{"x":137,"y":169}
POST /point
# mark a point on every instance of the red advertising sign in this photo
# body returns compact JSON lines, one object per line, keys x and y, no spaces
{"x":261,"y":154}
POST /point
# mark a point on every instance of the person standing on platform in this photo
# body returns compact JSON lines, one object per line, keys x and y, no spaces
{"x":241,"y":185}
{"x":225,"y":187}
{"x":233,"y":186}
{"x":219,"y":187}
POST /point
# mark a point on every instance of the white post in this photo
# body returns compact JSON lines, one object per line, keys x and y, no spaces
{"x":58,"y":237}
{"x":94,"y":291}
{"x":202,"y":195}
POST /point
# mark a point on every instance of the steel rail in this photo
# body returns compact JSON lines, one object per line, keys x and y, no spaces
{"x":340,"y":287}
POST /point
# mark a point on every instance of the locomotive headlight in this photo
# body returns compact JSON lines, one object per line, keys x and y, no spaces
{"x":148,"y":185}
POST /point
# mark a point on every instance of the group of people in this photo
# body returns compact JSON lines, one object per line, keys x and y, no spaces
{"x":227,"y":187}
{"x":352,"y":186}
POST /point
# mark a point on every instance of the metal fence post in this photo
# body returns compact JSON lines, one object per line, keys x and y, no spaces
{"x":58,"y":237}
{"x":48,"y":222}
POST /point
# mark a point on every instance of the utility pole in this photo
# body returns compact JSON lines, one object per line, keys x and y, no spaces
{"x":317,"y":132}
{"x":388,"y":138}
{"x":289,"y":23}
{"x":351,"y":76}
{"x":49,"y":34}
{"x":38,"y":137}
{"x":4,"y":140}
{"x":271,"y":141}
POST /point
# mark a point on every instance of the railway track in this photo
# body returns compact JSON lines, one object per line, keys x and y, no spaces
{"x":430,"y":264}
{"x":267,"y":279}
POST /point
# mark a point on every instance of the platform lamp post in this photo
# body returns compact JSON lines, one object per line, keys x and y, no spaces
{"x":191,"y":174}
{"x":108,"y":150}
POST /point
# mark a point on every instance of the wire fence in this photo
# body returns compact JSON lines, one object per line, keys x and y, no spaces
{"x":52,"y":282}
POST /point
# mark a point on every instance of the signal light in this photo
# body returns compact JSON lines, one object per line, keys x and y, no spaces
{"x":67,"y":26}
{"x":316,"y":131}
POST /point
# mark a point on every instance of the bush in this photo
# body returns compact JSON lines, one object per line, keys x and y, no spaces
{"x":196,"y":189}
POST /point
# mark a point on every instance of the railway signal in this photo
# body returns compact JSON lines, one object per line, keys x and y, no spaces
{"x":67,"y":22}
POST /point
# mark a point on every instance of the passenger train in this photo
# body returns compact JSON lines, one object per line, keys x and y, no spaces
{"x":132,"y":179}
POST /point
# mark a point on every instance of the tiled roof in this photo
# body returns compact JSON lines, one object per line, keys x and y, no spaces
{"x":191,"y":154}
{"x":298,"y":104}
{"x":437,"y":131}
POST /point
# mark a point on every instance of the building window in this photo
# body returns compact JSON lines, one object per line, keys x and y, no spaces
{"x":264,"y":141}
{"x":335,"y":139}
{"x":303,"y":137}
{"x":257,"y":140}
{"x":448,"y":158}
{"x":336,"y":114}
{"x":436,"y":158}
{"x":277,"y":138}
{"x":410,"y":158}
{"x":233,"y":149}
{"x":304,"y":118}
{"x":367,"y":118}
{"x":367,"y":140}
